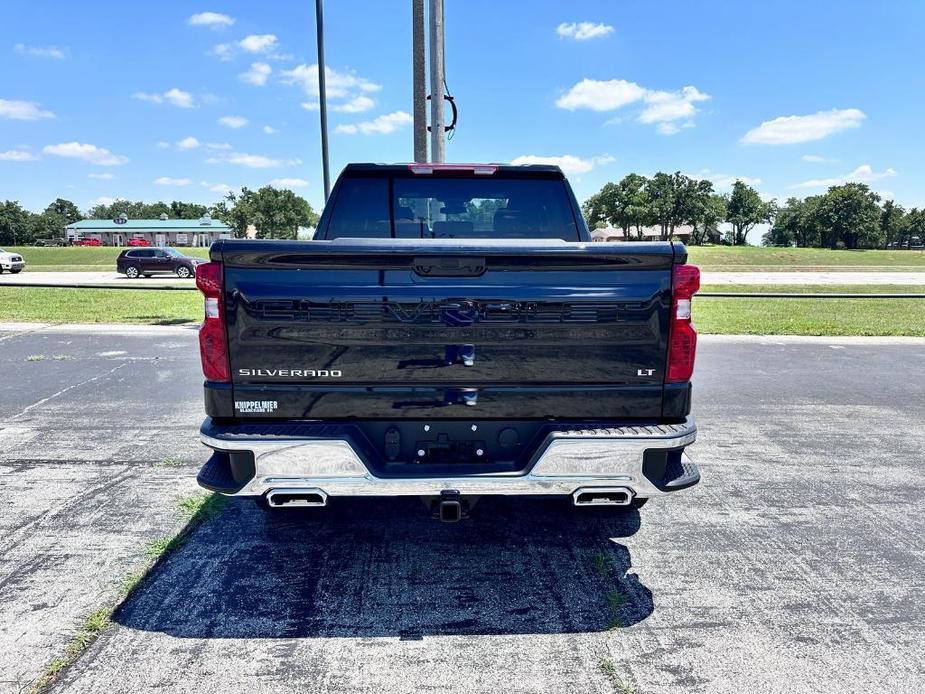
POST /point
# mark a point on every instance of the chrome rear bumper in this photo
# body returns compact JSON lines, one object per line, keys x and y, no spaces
{"x":568,"y":461}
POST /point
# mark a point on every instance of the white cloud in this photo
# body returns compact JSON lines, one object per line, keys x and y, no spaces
{"x":89,"y":153}
{"x":222,"y":188}
{"x":188,"y":143}
{"x":662,"y":108}
{"x":255,"y":44}
{"x":210,"y":19}
{"x":106,"y":176}
{"x":233,"y":121}
{"x":22,"y":110}
{"x":168,"y":181}
{"x":18,"y":155}
{"x":338,"y":85}
{"x":257,"y":75}
{"x":147,"y":96}
{"x":863,"y":174}
{"x":673,"y":128}
{"x":357,"y":104}
{"x":176,"y":97}
{"x":311,"y":105}
{"x":816,"y":159}
{"x":786,"y":130}
{"x":582,"y":31}
{"x":288,"y":183}
{"x":258,"y":43}
{"x":724,"y":181}
{"x":597,"y":95}
{"x":218,"y":145}
{"x":569,"y":163}
{"x":382,"y":125}
{"x":104,"y":200}
{"x":53,"y":52}
{"x":269,"y":130}
{"x":253,"y":161}
{"x":666,"y":107}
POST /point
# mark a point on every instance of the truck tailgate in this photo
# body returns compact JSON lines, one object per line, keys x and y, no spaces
{"x":455,"y":328}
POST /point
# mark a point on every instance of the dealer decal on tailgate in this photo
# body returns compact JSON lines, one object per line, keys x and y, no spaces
{"x":256,"y":406}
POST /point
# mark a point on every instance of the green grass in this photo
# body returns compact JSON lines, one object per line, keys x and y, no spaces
{"x":79,"y":258}
{"x":732,"y":316}
{"x":753,"y":258}
{"x":53,"y":305}
{"x":815,"y":288}
{"x":610,"y":671}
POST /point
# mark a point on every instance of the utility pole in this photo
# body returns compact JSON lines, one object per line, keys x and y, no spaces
{"x":437,"y":133}
{"x":322,"y":97}
{"x":419,"y":79}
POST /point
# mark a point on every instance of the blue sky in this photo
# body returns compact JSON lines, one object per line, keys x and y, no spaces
{"x":183,"y":100}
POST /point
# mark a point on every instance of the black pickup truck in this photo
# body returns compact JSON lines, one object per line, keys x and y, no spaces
{"x":452,"y":332}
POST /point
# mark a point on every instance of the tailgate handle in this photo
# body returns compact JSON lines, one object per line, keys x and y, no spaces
{"x":451,"y":266}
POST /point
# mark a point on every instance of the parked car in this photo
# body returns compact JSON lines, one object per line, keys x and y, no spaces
{"x":138,"y":242}
{"x":88,"y":242}
{"x":136,"y":262}
{"x":11,"y":261}
{"x":452,"y":333}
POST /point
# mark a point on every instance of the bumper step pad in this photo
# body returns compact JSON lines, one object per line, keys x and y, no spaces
{"x":216,"y":475}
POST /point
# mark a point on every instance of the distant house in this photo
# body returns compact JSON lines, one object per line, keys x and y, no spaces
{"x":157,"y":232}
{"x":681,"y":233}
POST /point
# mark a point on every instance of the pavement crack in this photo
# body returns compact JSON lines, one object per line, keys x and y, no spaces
{"x":66,"y":390}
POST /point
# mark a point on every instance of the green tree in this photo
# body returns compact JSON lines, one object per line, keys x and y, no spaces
{"x":706,"y":226}
{"x":276,"y":214}
{"x":744,"y":211}
{"x":65,"y":209}
{"x":598,"y":210}
{"x":892,"y":220}
{"x":913,"y":227}
{"x":672,"y":201}
{"x":187,"y":210}
{"x":14,"y":224}
{"x":633,"y":205}
{"x":850,"y":216}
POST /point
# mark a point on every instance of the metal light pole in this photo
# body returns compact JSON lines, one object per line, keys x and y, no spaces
{"x":322,"y":97}
{"x":437,"y":133}
{"x":419,"y":80}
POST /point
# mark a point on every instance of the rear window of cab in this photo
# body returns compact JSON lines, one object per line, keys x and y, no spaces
{"x":449,"y":208}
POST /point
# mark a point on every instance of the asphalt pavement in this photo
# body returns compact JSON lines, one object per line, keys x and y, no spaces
{"x":843,"y":276}
{"x":795,"y":566}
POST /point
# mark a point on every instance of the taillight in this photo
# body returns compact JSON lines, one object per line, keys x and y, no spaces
{"x":213,"y":340}
{"x":682,"y":340}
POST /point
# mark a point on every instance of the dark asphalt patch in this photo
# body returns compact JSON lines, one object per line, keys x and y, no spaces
{"x":382,"y":568}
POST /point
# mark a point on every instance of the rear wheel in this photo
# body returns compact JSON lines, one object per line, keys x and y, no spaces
{"x":183,"y":272}
{"x":131,"y":272}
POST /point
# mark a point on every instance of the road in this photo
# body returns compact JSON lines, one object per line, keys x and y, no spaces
{"x":114,"y":279}
{"x":796,"y":566}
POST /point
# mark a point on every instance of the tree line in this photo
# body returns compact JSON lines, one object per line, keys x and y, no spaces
{"x":845,"y":216}
{"x":669,"y":201}
{"x":276,"y":213}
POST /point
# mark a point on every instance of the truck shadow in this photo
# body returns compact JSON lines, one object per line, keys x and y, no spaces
{"x":382,"y":567}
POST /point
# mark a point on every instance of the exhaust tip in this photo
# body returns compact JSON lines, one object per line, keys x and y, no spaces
{"x":295,"y":498}
{"x":603,"y":496}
